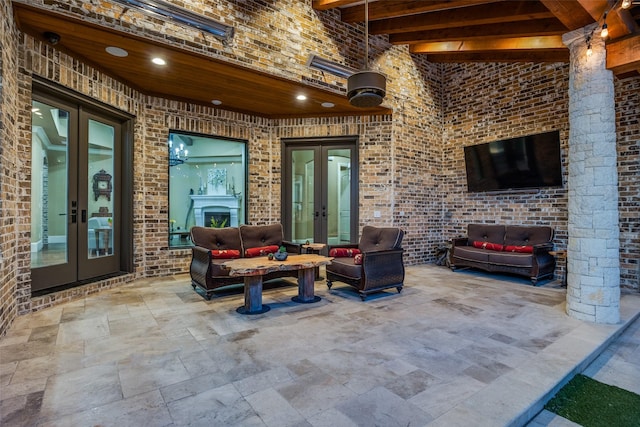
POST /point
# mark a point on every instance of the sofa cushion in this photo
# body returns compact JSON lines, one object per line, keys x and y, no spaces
{"x":472,"y":254}
{"x":225,"y":253}
{"x":216,"y":238}
{"x":255,"y":236}
{"x":380,"y":238}
{"x":521,"y":249}
{"x":261,"y":251}
{"x":521,"y":235}
{"x":488,"y":245}
{"x":485,"y":233}
{"x":346,"y":267}
{"x":512,"y":259}
{"x":343,"y":252}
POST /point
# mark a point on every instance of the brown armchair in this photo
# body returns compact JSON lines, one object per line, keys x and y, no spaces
{"x":382,"y":265}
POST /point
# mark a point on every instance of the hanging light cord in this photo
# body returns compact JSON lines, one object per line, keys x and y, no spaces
{"x":366,"y":35}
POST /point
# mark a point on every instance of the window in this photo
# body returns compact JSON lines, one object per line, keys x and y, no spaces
{"x":207,"y":184}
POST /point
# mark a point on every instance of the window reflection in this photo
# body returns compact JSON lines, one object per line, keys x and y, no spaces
{"x":207,"y":182}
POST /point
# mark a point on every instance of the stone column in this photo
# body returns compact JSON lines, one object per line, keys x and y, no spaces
{"x":593,"y":257}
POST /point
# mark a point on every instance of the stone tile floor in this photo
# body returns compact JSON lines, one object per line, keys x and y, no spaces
{"x":453,"y":349}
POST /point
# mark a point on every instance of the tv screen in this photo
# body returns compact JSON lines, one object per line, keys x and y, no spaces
{"x":527,"y":162}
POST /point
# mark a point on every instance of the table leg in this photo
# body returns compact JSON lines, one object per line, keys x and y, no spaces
{"x":253,"y":296}
{"x":306,"y":277}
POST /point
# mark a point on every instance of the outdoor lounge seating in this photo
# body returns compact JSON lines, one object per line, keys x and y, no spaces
{"x":516,"y":249}
{"x":372,"y":265}
{"x":213,"y":246}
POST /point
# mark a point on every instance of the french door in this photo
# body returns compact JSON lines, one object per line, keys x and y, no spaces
{"x":75,"y":193}
{"x":320,"y":191}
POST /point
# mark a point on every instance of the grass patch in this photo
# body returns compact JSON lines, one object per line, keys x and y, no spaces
{"x":591,"y":403}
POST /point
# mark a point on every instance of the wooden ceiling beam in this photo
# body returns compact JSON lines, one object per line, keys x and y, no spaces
{"x":385,"y":9}
{"x":570,"y":13}
{"x":547,"y":43}
{"x":331,"y":4}
{"x":502,"y":56}
{"x":473,"y":15}
{"x":623,"y":55}
{"x":542,"y":27}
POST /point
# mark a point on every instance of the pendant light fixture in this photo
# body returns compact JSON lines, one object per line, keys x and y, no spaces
{"x":366,"y":88}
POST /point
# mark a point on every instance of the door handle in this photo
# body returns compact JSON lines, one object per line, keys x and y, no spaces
{"x":317,"y":214}
{"x":84,"y":216}
{"x":324,"y":211}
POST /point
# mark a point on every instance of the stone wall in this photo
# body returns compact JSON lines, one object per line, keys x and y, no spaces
{"x":11,"y":187}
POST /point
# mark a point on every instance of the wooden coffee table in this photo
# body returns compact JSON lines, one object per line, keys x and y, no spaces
{"x":252,"y":269}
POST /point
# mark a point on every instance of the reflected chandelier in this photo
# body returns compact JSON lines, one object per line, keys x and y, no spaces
{"x":178,"y":155}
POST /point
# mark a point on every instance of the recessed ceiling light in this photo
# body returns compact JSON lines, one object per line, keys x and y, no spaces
{"x":34,"y":109}
{"x":328,"y":104}
{"x":116,"y":51}
{"x":216,"y":102}
{"x":158,"y":61}
{"x":301,"y":97}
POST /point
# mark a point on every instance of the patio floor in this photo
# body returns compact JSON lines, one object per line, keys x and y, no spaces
{"x":453,"y":349}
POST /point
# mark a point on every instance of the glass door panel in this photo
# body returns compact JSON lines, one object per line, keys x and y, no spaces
{"x":302,"y":193}
{"x":53,"y":213}
{"x":338,"y":196}
{"x":320,"y":202}
{"x":99,"y":193}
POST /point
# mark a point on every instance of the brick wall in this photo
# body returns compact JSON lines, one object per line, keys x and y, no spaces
{"x":412,"y":169}
{"x":628,"y":139}
{"x":488,"y":102}
{"x":10,"y":186}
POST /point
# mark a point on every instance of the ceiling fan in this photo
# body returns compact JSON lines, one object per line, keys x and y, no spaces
{"x":366,"y":88}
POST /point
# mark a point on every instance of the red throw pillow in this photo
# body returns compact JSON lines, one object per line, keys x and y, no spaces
{"x":343,"y":252}
{"x":522,"y":249}
{"x":225,"y":253}
{"x":261,"y":251}
{"x":488,"y":245}
{"x":357,"y":260}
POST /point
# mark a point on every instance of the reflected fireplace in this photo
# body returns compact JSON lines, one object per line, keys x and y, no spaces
{"x":219,"y":207}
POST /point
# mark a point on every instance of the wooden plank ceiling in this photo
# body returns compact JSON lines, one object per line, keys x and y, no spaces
{"x":495,"y":31}
{"x":443,"y":30}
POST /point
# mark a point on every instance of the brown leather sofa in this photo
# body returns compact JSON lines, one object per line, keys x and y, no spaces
{"x":515,"y":249}
{"x":379,"y":266}
{"x":213,"y":246}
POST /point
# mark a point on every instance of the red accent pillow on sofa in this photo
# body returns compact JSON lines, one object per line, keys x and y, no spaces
{"x":488,"y":245}
{"x":522,"y":249}
{"x":261,"y":250}
{"x":357,"y":259}
{"x":225,"y":253}
{"x":343,"y":252}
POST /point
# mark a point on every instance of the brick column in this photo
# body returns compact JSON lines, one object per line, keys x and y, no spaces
{"x":593,"y":258}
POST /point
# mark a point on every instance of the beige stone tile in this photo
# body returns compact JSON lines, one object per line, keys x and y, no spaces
{"x":142,"y":373}
{"x":147,"y":409}
{"x":263,"y":403}
{"x":80,"y":390}
{"x":83,"y":330}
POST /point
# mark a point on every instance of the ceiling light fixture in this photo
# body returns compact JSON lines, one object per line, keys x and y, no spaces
{"x":167,"y":10}
{"x":366,"y":88}
{"x":331,"y":67}
{"x":159,"y":61}
{"x":328,"y":104}
{"x":216,"y":102}
{"x":178,"y":155}
{"x":301,"y":97}
{"x":626,"y":4}
{"x":116,"y":51}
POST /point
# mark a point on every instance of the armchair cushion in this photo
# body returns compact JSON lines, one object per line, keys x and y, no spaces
{"x":343,"y":252}
{"x":380,"y":238}
{"x":257,"y":236}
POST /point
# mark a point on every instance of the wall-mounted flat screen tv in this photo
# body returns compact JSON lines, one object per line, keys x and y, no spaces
{"x":527,"y":162}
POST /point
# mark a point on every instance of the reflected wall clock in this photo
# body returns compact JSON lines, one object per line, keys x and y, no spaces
{"x":102,"y":185}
